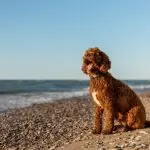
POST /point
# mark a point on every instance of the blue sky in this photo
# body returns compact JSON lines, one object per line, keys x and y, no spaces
{"x":45,"y":39}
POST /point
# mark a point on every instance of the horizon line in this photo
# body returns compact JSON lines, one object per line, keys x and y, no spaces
{"x":63,"y":79}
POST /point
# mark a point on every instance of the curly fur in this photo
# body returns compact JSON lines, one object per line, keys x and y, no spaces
{"x":111,"y":96}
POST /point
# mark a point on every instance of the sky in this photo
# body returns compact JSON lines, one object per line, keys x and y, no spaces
{"x":46,"y":39}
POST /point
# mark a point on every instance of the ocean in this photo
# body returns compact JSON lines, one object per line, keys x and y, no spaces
{"x":22,"y":93}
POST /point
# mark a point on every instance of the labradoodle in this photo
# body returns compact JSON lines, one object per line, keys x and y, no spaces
{"x":111,"y":96}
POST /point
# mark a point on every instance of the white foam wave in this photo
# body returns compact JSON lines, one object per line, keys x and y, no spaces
{"x":27,"y":99}
{"x":140,"y":87}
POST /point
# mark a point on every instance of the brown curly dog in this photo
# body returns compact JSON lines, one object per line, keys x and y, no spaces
{"x":111,"y":96}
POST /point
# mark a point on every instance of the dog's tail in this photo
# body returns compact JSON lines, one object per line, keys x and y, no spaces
{"x":147,"y":123}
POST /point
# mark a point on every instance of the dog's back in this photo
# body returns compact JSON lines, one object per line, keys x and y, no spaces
{"x":125,"y":101}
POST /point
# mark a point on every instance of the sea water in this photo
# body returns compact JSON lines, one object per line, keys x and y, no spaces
{"x":22,"y":93}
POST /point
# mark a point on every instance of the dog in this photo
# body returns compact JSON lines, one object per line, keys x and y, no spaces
{"x":113,"y":98}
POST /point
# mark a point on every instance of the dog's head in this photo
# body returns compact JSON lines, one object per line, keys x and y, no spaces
{"x":95,"y":61}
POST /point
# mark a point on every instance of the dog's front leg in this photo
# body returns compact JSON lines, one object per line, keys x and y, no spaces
{"x":109,"y":118}
{"x":98,"y":113}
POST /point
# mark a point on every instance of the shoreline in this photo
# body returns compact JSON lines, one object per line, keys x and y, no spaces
{"x":64,"y":124}
{"x":3,"y":112}
{"x":85,"y":97}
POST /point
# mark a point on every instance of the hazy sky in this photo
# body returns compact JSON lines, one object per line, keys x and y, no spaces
{"x":45,"y":39}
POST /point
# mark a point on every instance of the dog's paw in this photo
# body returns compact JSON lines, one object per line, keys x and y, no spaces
{"x":105,"y":132}
{"x":95,"y":131}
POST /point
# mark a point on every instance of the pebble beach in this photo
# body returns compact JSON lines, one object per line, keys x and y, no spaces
{"x":65,"y":124}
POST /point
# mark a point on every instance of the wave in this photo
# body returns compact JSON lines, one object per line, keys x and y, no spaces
{"x":17,"y":94}
{"x":140,"y":87}
{"x":10,"y":101}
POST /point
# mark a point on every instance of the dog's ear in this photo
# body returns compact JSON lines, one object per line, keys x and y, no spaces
{"x":105,"y":64}
{"x":105,"y":67}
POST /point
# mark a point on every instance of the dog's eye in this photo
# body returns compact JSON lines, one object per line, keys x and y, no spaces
{"x":87,"y":55}
{"x":99,"y":59}
{"x":87,"y":62}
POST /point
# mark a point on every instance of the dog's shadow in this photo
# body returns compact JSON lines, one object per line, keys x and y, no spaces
{"x":120,"y":128}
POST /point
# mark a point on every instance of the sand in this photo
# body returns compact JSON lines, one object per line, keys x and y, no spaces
{"x":65,"y":124}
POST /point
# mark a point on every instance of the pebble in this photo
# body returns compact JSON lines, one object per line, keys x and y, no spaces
{"x":143,"y":132}
{"x":121,"y":146}
{"x":13,"y":148}
{"x":138,"y":147}
{"x":138,"y":138}
{"x":118,"y":146}
{"x":111,"y":143}
{"x":132,"y":144}
{"x":52,"y":148}
{"x":143,"y":145}
{"x":124,"y":145}
{"x":103,"y":148}
{"x":132,"y":137}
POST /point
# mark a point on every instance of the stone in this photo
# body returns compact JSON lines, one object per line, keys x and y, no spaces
{"x":143,"y":132}
{"x":53,"y":148}
{"x":132,"y":137}
{"x":132,"y":144}
{"x":137,"y":138}
{"x":138,"y":147}
{"x":12,"y":148}
{"x":143,"y":145}
{"x":103,"y":148}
